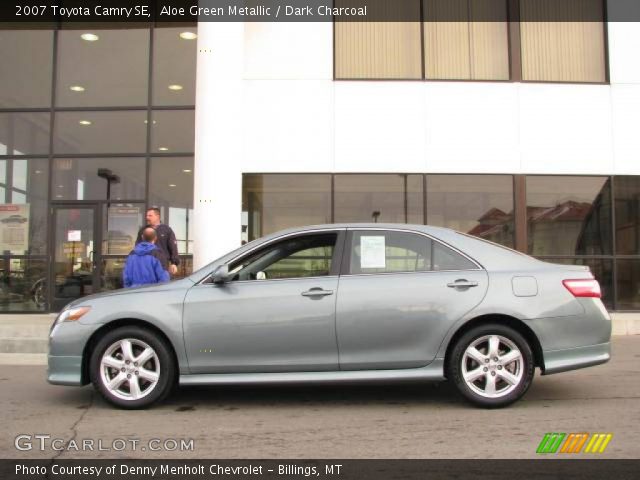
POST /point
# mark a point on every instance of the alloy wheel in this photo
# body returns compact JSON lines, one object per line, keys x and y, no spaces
{"x":492,"y":366}
{"x":130,"y":369}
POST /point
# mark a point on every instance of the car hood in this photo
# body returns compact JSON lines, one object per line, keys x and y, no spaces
{"x":183,"y":283}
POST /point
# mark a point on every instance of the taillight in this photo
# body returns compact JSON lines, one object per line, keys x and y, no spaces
{"x":583,"y":287}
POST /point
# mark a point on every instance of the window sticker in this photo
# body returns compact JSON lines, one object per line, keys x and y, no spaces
{"x":372,"y":252}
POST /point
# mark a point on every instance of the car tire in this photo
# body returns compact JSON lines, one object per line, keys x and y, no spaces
{"x":491,"y":365}
{"x":132,"y":367}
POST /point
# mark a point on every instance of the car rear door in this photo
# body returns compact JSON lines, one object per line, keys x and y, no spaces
{"x":399,"y":293}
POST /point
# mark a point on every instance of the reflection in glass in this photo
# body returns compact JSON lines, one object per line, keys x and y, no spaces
{"x":100,"y":132}
{"x":628,"y":284}
{"x":22,"y":284}
{"x":74,"y":255}
{"x":480,"y":205}
{"x":26,"y":58}
{"x":23,"y":206}
{"x":112,"y":273}
{"x":569,"y":215}
{"x":379,"y":198}
{"x":24,"y":133}
{"x":90,"y":178}
{"x":110,"y":71}
{"x":602,"y":270}
{"x":123,"y":222}
{"x":174,"y":65}
{"x":627,"y":202}
{"x":172,"y":131}
{"x":274,"y":202}
{"x":171,"y":190}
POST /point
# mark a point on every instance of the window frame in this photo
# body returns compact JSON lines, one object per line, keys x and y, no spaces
{"x":514,"y":54}
{"x":346,"y":260}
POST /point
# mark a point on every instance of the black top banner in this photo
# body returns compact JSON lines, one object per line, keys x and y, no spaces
{"x":160,"y":11}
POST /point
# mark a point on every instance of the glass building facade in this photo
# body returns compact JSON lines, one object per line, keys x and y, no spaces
{"x":584,"y":220}
{"x":96,"y":125}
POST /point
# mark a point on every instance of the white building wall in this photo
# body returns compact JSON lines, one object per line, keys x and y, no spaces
{"x":295,"y":118}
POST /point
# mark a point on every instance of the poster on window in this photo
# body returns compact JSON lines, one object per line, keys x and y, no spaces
{"x":372,"y":252}
{"x":14,"y":227}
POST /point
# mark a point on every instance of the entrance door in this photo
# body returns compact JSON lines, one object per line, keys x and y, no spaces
{"x":76,"y":254}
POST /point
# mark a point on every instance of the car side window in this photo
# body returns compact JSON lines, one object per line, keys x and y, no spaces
{"x":445,"y":258}
{"x":298,"y":257}
{"x":387,"y":252}
{"x":398,"y":252}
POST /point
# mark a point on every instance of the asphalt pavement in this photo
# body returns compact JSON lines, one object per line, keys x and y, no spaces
{"x":380,"y":421}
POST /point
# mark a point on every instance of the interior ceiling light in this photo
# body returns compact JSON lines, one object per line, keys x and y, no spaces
{"x":89,"y":37}
{"x":153,"y":122}
{"x":84,"y":122}
{"x":172,"y":184}
{"x":186,"y":170}
{"x":188,"y":36}
{"x":163,"y":149}
{"x":175,"y":88}
{"x":76,"y":88}
{"x":38,"y":171}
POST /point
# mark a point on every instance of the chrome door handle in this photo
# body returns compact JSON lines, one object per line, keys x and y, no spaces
{"x":462,"y":284}
{"x":317,"y":292}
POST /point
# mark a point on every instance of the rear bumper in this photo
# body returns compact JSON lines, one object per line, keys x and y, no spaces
{"x":64,"y":370}
{"x":556,"y":361}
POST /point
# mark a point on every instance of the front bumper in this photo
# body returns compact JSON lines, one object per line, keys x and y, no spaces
{"x":67,"y":342}
{"x":556,"y":361}
{"x":65,"y":370}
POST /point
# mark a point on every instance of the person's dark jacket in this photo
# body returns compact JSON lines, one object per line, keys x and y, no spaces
{"x":144,"y":266}
{"x":165,"y":241}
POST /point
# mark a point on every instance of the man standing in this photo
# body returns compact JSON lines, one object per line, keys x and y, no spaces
{"x":144,"y":264}
{"x":166,"y":241}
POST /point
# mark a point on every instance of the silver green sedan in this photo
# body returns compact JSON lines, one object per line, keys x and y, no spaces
{"x":340,"y":303}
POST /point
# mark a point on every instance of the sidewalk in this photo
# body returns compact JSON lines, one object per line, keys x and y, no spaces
{"x":23,"y":338}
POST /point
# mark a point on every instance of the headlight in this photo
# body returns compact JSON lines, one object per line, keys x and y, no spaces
{"x":72,"y":314}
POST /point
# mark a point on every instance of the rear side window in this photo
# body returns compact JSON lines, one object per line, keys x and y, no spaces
{"x":396,"y":252}
{"x":446,"y":259}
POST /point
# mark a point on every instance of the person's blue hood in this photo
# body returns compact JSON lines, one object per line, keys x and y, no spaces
{"x":143,"y":248}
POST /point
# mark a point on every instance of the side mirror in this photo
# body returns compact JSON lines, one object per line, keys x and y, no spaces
{"x":221,"y":275}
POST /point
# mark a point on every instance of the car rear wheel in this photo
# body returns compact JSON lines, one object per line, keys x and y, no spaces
{"x":132,"y":367}
{"x":491,"y":365}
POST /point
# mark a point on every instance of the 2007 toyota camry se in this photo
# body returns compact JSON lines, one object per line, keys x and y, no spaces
{"x":340,"y":303}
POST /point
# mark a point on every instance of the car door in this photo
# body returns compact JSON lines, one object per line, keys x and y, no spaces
{"x":400,"y":292}
{"x":277,"y":314}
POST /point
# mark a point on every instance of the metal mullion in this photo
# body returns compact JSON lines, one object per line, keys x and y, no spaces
{"x":514,"y":40}
{"x":614,"y":246}
{"x":25,"y":110}
{"x":99,"y":155}
{"x":49,"y":275}
{"x":173,"y":107}
{"x":23,"y":157}
{"x":147,"y":166}
{"x":101,"y":109}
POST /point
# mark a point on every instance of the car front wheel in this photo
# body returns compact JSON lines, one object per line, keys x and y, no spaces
{"x":491,"y":365}
{"x":132,"y":367}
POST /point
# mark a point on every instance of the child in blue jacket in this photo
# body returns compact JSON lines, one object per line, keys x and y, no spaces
{"x":145,"y":263}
